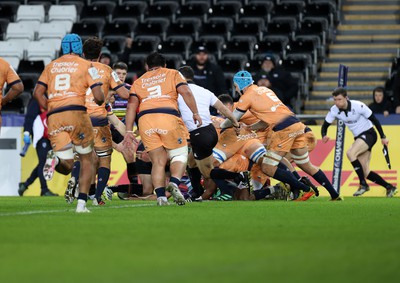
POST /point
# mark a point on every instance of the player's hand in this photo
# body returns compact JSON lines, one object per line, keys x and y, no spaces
{"x":27,"y":138}
{"x":130,"y":140}
{"x":325,"y":139}
{"x":142,"y":155}
{"x":120,"y":147}
{"x":197,"y":120}
{"x":385,"y":141}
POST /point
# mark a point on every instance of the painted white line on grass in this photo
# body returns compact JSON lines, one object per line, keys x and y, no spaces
{"x":32,"y":212}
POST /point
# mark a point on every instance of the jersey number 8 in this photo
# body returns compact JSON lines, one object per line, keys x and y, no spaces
{"x":62,"y":82}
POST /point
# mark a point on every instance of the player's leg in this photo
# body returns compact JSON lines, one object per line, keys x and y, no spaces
{"x":159,"y":157}
{"x":178,"y":161}
{"x":195,"y":177}
{"x":43,"y":146}
{"x":358,"y":148}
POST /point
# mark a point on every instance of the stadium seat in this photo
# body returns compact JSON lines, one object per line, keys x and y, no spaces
{"x":20,"y":30}
{"x":324,"y":9}
{"x":218,"y":26}
{"x":97,"y":11}
{"x":298,"y":63}
{"x":253,"y":66}
{"x":30,"y":13}
{"x":40,"y":50}
{"x":317,"y":26}
{"x":174,"y":61}
{"x":176,"y":44}
{"x":164,"y":9}
{"x":272,"y":43}
{"x":116,"y":45}
{"x":249,"y":26}
{"x":257,"y":9}
{"x":292,"y":9}
{"x":78,"y":4}
{"x":232,"y":63}
{"x":285,"y":26}
{"x":213,"y":43}
{"x":8,"y":10}
{"x":240,"y":44}
{"x":185,"y":26}
{"x":136,"y":63}
{"x":52,"y":30}
{"x":13,"y":61}
{"x":153,"y":26}
{"x":303,"y":45}
{"x":86,"y":30}
{"x":194,"y":9}
{"x":63,"y":13}
{"x":130,"y":10}
{"x":228,"y":8}
{"x":144,"y":44}
{"x":118,"y":29}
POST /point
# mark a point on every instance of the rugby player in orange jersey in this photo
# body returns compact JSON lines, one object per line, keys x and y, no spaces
{"x":9,"y":76}
{"x":162,"y":130}
{"x":288,"y":134}
{"x":66,"y":81}
{"x":99,"y":117}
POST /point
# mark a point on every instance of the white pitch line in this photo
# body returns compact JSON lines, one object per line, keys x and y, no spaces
{"x":32,"y":212}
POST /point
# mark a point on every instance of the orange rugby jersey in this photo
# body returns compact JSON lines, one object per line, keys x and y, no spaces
{"x":67,"y":80}
{"x":7,"y":75}
{"x":266,"y":106}
{"x":156,"y":91}
{"x":110,"y":80}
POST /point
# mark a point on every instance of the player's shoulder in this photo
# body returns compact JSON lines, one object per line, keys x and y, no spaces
{"x":357,"y":103}
{"x":334,"y":109}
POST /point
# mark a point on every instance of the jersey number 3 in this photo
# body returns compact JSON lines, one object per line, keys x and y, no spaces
{"x":154,"y":91}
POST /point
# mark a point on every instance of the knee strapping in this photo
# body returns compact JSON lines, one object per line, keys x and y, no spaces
{"x":219,"y":155}
{"x":271,"y":158}
{"x":178,"y":154}
{"x":301,"y":159}
{"x":83,"y":150}
{"x":65,"y":154}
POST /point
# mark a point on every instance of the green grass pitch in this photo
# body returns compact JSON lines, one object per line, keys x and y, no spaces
{"x":43,"y":240}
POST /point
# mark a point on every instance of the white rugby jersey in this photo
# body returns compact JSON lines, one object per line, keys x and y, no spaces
{"x":204,"y":99}
{"x":355,"y":117}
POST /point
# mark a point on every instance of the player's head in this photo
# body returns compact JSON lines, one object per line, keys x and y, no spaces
{"x":71,"y":43}
{"x":226,"y":100}
{"x":187,"y":72}
{"x":340,"y":97}
{"x":241,"y":80}
{"x":121,"y":69}
{"x":201,"y":55}
{"x":155,"y":59}
{"x":268,"y":62}
{"x":378,"y":94}
{"x":92,"y":48}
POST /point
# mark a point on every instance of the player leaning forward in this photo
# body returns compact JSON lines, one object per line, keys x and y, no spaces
{"x":360,"y":120}
{"x":66,"y":81}
{"x":161,"y":129}
{"x":288,"y":134}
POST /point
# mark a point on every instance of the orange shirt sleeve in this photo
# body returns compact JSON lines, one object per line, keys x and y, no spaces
{"x":44,"y":78}
{"x":179,"y":79}
{"x":244,"y":103}
{"x":12,"y":76}
{"x":93,"y":77}
{"x":115,"y":82}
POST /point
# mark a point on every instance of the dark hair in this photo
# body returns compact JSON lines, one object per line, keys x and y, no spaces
{"x":339,"y":91}
{"x":92,"y":48}
{"x":120,"y":65}
{"x":187,"y":72}
{"x":225,"y":99}
{"x":155,"y":59}
{"x":378,"y":89}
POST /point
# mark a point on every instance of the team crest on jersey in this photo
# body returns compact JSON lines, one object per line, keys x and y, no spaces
{"x":81,"y":136}
{"x":103,"y":140}
{"x":179,"y":140}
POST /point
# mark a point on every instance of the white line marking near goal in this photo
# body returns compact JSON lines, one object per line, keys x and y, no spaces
{"x":32,"y":212}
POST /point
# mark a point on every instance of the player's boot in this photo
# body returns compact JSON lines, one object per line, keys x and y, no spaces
{"x":339,"y":198}
{"x":281,"y":191}
{"x":224,"y":197}
{"x":176,"y":193}
{"x":361,"y":190}
{"x":69,"y":194}
{"x":48,"y":194}
{"x":107,"y":193}
{"x":50,"y":165}
{"x":96,"y":202}
{"x":22,"y":188}
{"x":305,"y":180}
{"x":306,"y":195}
{"x":162,"y":201}
{"x":391,"y":191}
{"x":81,"y":207}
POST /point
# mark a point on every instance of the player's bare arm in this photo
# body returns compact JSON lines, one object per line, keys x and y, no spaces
{"x":98,"y":95}
{"x":119,"y":126}
{"x":38,"y":94}
{"x":187,"y":96}
{"x":15,"y":90}
{"x":132,"y":106}
{"x":226,"y":113}
{"x":123,"y":92}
